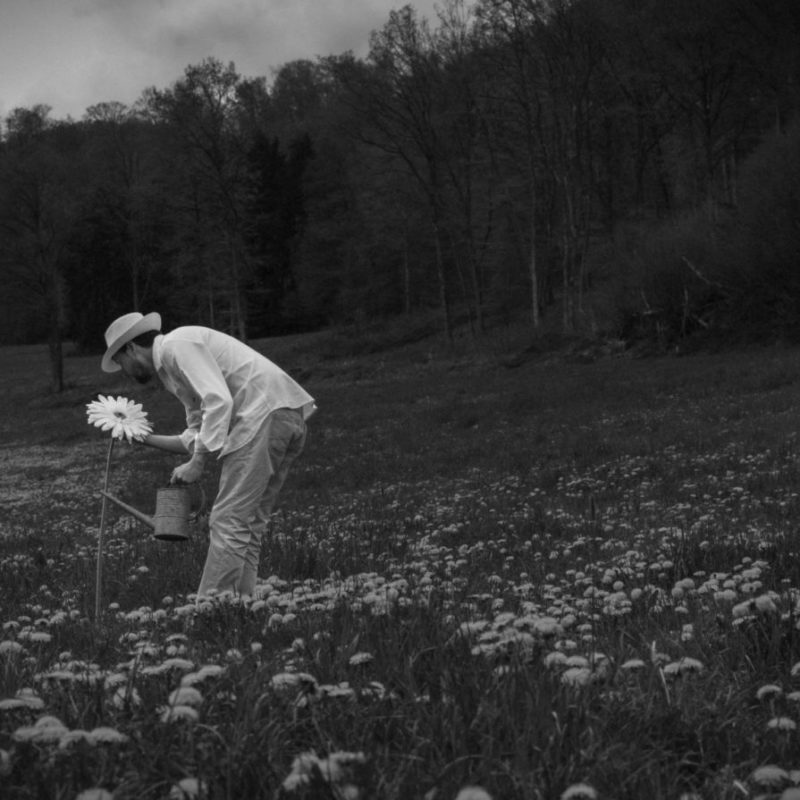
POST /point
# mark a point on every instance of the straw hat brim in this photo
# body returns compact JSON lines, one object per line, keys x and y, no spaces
{"x":149,"y":322}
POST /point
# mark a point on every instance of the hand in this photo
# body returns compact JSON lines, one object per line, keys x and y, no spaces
{"x":189,"y":472}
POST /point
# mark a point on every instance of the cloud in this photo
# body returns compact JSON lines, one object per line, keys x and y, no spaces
{"x":71,"y":54}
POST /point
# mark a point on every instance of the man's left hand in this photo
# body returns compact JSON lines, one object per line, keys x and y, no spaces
{"x":189,"y":472}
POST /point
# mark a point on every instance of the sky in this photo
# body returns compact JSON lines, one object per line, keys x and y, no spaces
{"x":71,"y":54}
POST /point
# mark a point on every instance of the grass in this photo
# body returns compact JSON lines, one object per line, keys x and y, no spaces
{"x":547,"y":579}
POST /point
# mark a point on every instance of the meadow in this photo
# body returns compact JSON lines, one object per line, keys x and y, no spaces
{"x":531,"y":578}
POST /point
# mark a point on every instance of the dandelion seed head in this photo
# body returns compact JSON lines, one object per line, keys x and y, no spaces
{"x":179,"y":714}
{"x":578,"y":790}
{"x":186,"y":696}
{"x":188,"y":789}
{"x":95,"y":793}
{"x":769,"y":775}
{"x":769,"y":690}
{"x":782,"y":724}
{"x":473,"y":793}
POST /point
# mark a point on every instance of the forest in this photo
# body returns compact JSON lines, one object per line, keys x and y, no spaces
{"x":621,"y":168}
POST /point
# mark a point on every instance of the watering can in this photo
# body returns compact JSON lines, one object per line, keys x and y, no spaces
{"x":173,"y":512}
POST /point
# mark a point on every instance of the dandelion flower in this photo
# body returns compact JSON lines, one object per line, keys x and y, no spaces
{"x":473,"y":793}
{"x":74,"y":737}
{"x":188,"y":789}
{"x":769,"y":775}
{"x":360,"y":658}
{"x":124,"y":418}
{"x":577,"y":676}
{"x":10,"y":648}
{"x":684,"y":666}
{"x":179,"y":714}
{"x":186,"y":696}
{"x":303,"y":767}
{"x":782,"y":724}
{"x":579,"y":790}
{"x":107,"y":735}
{"x":47,"y":730}
{"x":95,"y":793}
{"x":769,"y":690}
{"x":633,"y":664}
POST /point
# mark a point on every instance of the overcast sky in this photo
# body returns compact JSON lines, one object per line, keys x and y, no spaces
{"x":71,"y":54}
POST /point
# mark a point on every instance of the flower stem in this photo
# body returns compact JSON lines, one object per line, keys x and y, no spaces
{"x":98,"y":589}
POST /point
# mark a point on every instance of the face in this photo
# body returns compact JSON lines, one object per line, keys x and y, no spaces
{"x":133,"y":364}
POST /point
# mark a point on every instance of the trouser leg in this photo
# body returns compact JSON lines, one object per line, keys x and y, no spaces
{"x":248,"y":478}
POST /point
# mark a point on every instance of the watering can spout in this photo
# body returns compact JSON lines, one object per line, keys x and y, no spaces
{"x":146,"y":518}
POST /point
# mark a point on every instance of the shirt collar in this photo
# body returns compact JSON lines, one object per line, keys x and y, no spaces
{"x":158,"y":344}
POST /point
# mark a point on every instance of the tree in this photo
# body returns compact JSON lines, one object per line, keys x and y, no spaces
{"x":395,"y":95}
{"x":209,"y":167}
{"x":41,"y":180}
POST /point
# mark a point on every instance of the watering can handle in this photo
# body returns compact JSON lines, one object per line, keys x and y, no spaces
{"x":203,"y":500}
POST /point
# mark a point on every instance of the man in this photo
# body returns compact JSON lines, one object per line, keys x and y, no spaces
{"x":241,"y":407}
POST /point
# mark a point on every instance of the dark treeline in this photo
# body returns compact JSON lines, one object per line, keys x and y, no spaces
{"x":629,"y":166}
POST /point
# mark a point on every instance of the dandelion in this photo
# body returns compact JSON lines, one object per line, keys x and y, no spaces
{"x":188,"y":789}
{"x":303,"y":767}
{"x":360,"y":658}
{"x":71,"y":738}
{"x":123,"y":418}
{"x":769,"y":775}
{"x":125,"y":697}
{"x":769,"y":690}
{"x":9,"y":648}
{"x":107,"y":735}
{"x":47,"y":730}
{"x":579,"y":790}
{"x":186,"y":696}
{"x":577,"y":676}
{"x":632,"y":664}
{"x":684,"y":666}
{"x":95,"y":793}
{"x":179,"y":714}
{"x":473,"y":793}
{"x":782,"y":724}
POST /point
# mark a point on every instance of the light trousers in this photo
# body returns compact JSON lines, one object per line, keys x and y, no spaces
{"x":250,"y":480}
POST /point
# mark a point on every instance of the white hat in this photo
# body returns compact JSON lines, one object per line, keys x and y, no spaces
{"x":122,"y":330}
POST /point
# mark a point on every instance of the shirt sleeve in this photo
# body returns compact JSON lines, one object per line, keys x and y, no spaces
{"x":208,"y":404}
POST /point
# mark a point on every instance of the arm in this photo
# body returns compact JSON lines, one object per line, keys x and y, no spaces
{"x":170,"y":444}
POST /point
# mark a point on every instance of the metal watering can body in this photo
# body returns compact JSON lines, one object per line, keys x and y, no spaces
{"x":173,"y":513}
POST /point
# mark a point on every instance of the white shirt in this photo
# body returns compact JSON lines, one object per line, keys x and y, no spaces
{"x":226,"y":387}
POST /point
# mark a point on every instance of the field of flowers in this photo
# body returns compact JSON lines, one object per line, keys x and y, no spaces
{"x":549,"y":580}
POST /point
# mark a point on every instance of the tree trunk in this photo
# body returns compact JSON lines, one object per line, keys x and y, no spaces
{"x":443,"y":293}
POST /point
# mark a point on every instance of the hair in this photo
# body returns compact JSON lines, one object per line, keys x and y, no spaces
{"x":146,"y":339}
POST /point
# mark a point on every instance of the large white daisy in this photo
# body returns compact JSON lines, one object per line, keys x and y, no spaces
{"x":123,"y":417}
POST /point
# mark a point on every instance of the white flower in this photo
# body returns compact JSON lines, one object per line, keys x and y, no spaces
{"x":188,"y":789}
{"x":579,"y":790}
{"x":769,"y":690}
{"x":782,"y":724}
{"x":186,"y":696}
{"x":123,"y":417}
{"x":97,"y":793}
{"x":179,"y":714}
{"x":770,"y":775}
{"x":107,"y":735}
{"x":473,"y":793}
